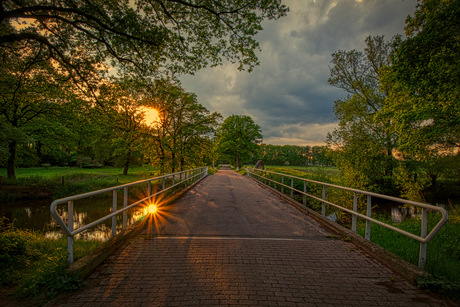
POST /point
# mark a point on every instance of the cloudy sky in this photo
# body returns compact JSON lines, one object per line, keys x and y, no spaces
{"x":288,"y":94}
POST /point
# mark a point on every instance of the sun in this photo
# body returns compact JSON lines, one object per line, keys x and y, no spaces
{"x":151,"y":116}
{"x":151,"y":209}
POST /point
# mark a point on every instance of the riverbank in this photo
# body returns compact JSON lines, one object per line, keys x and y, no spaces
{"x":54,"y":182}
{"x":33,"y":267}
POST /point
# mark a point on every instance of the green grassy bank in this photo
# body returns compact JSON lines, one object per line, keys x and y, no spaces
{"x":57,"y":182}
{"x":31,"y":264}
{"x":443,"y":252}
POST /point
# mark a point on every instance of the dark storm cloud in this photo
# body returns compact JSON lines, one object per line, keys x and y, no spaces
{"x":288,"y":94}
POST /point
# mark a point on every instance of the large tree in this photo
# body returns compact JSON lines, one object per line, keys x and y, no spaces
{"x":147,"y":37}
{"x":29,"y":85}
{"x":424,"y":80}
{"x":238,"y":138}
{"x":423,"y":85}
{"x":125,"y":127}
{"x":184,"y":128}
{"x":364,"y":145}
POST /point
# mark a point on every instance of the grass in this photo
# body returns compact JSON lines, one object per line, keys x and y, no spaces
{"x":65,"y":181}
{"x":443,"y":252}
{"x":56,"y":173}
{"x":330,"y":171}
{"x":31,"y":264}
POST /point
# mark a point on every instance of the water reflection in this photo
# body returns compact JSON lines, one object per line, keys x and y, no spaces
{"x":35,"y":215}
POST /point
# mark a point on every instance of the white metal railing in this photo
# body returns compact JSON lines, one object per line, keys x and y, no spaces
{"x":424,"y":238}
{"x":188,"y":176}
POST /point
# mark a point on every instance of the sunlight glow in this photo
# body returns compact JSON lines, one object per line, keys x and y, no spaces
{"x":151,"y":116}
{"x":151,"y":209}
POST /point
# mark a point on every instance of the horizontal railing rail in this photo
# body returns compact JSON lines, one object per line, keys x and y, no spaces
{"x":177,"y":179}
{"x":424,"y":238}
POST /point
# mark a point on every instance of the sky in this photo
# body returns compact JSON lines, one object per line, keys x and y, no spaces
{"x":288,"y":95}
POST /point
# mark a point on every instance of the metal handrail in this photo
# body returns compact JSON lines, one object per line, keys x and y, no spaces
{"x":189,"y":175}
{"x":424,"y":238}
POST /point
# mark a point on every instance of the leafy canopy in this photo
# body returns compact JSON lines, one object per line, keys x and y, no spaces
{"x":424,"y":79}
{"x":238,"y":137}
{"x":142,"y":36}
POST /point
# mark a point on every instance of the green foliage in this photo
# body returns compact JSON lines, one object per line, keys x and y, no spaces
{"x":443,"y":252}
{"x":65,"y":181}
{"x":55,"y":60}
{"x":316,"y":174}
{"x":440,"y":285}
{"x":363,"y":144}
{"x":182,"y":136}
{"x":295,"y":155}
{"x":35,"y":265}
{"x":16,"y":253}
{"x":147,"y":37}
{"x":412,"y":180}
{"x":238,"y":138}
{"x":423,"y":80}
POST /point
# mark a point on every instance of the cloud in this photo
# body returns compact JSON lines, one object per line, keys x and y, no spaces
{"x":288,"y":94}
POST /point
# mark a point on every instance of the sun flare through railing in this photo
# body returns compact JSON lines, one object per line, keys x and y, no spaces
{"x":304,"y":188}
{"x":156,"y":188}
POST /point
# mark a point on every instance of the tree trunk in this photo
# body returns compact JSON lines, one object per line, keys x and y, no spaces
{"x":128,"y":158}
{"x":173,"y":162}
{"x":11,"y":160}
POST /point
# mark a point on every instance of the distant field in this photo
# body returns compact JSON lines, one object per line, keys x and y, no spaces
{"x":63,"y":181}
{"x":328,"y":170}
{"x":53,"y":172}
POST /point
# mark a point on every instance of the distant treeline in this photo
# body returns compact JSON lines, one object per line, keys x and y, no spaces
{"x":296,"y":155}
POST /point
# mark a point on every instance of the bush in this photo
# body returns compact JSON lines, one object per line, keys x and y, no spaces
{"x":16,"y":254}
{"x":33,"y":264}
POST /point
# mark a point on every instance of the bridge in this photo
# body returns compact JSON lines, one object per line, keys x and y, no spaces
{"x":230,"y":242}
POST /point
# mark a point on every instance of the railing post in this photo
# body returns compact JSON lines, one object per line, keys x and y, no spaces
{"x":323,"y":205}
{"x":70,"y":240}
{"x":149,"y":188}
{"x":367,"y":235}
{"x":282,"y":184}
{"x":355,"y":209}
{"x":163,"y":184}
{"x":292,"y":187}
{"x":172,"y":180}
{"x":423,"y":245}
{"x":114,"y":209}
{"x":305,"y":191}
{"x":125,"y":204}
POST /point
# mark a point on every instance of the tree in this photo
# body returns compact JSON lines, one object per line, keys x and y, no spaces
{"x":424,"y":81}
{"x":125,"y":120}
{"x":238,"y":137}
{"x":146,"y":37}
{"x":29,"y":85}
{"x":364,"y":144}
{"x":184,"y":129}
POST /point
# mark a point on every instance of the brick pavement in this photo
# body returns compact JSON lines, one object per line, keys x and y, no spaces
{"x":202,"y":264}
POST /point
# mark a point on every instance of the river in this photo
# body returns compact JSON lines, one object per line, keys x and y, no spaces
{"x":35,"y":215}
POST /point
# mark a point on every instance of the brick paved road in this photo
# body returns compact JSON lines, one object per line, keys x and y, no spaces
{"x":229,"y":242}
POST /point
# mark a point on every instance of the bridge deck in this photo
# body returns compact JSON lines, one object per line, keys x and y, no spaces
{"x":230,"y":242}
